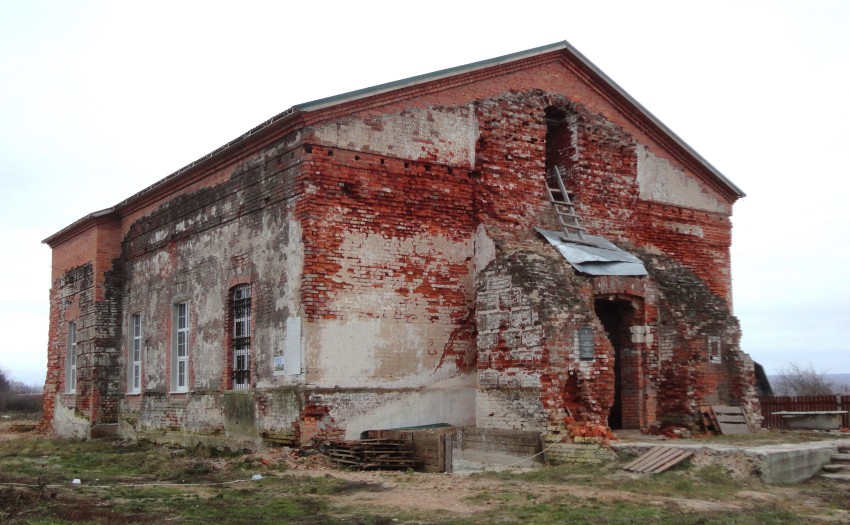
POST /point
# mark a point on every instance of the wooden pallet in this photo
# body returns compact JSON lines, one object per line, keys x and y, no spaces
{"x":658,"y":459}
{"x":722,"y":419}
{"x":731,"y":420}
{"x":709,"y":422}
{"x":387,"y":454}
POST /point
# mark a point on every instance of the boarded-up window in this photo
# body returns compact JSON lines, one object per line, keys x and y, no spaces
{"x":293,"y":348}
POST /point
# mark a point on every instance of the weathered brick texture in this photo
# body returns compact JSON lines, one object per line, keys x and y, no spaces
{"x":396,"y":277}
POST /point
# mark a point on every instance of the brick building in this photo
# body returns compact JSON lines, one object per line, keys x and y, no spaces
{"x":392,"y":257}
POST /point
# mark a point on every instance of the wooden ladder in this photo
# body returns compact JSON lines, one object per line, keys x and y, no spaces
{"x":562,"y":201}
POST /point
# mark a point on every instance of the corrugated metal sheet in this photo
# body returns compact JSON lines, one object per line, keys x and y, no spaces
{"x":599,"y":257}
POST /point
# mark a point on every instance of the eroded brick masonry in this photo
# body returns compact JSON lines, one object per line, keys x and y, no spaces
{"x":370,"y":261}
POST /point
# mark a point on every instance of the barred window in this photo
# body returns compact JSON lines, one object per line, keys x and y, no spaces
{"x":241,"y":336}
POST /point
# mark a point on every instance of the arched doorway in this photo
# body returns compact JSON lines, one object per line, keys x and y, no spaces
{"x":618,"y":316}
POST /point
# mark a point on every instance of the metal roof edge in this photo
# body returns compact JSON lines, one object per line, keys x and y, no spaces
{"x":562,"y":45}
{"x":648,"y":114}
{"x":321,"y":103}
{"x":411,"y":81}
{"x":168,"y":178}
{"x":78,"y":222}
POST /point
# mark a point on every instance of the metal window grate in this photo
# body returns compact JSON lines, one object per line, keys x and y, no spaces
{"x":241,"y":342}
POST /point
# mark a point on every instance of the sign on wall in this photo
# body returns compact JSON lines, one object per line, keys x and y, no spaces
{"x":586,"y":349}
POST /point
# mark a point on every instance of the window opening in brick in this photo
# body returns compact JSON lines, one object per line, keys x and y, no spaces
{"x":181,"y":346}
{"x":71,"y":380}
{"x":241,"y":337}
{"x":135,"y":353}
{"x":617,"y":317}
{"x":560,"y":154}
{"x":714,"y":352}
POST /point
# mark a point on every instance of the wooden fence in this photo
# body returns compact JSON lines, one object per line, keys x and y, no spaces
{"x":772,"y":404}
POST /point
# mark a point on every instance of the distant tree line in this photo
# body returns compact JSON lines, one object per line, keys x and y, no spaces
{"x":16,"y":396}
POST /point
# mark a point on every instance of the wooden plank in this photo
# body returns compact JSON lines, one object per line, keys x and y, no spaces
{"x":448,"y":443}
{"x":640,"y":458}
{"x":708,"y":425}
{"x":658,"y":459}
{"x":683,"y":455}
{"x":731,"y":420}
{"x":653,"y":452}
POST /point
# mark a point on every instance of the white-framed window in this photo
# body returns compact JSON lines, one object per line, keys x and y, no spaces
{"x":134,"y":379}
{"x":180,"y":381}
{"x":240,"y":301}
{"x":71,"y":367}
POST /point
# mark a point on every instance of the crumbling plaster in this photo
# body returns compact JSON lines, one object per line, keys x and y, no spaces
{"x":387,"y":330}
{"x":400,"y":239}
{"x":440,"y":134}
{"x":661,"y":180}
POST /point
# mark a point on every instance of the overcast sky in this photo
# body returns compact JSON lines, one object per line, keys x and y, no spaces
{"x":101,"y":99}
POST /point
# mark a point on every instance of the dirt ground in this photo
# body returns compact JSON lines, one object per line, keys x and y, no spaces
{"x":467,"y":495}
{"x":458,"y":493}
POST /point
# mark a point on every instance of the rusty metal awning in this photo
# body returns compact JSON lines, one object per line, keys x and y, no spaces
{"x":598,"y":256}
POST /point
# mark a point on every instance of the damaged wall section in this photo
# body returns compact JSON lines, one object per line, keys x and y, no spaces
{"x":396,"y":278}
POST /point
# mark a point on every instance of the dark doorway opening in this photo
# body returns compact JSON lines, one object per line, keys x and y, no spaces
{"x":617,"y":317}
{"x":559,"y":139}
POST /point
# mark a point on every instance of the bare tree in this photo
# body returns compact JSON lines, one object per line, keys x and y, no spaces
{"x":17,"y":396}
{"x":803,"y":380}
{"x":4,"y":389}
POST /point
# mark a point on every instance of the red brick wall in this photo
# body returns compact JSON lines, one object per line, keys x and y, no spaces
{"x":338,"y":191}
{"x":352,"y":193}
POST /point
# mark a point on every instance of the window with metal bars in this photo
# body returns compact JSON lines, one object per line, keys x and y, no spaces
{"x":241,"y":336}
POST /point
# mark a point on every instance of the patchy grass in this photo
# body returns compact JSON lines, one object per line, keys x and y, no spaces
{"x":59,"y":460}
{"x":627,"y":513}
{"x":711,"y":483}
{"x":146,"y":483}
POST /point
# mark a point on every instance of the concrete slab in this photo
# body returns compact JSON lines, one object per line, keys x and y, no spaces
{"x":837,"y":467}
{"x":836,"y":477}
{"x":792,"y":463}
{"x":785,"y":463}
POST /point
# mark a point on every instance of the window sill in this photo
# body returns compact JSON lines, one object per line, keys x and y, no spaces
{"x":136,"y":393}
{"x":178,"y":392}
